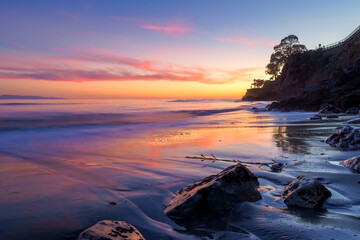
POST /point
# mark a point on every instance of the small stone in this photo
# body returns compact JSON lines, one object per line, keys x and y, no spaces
{"x":277,"y":167}
{"x":112,"y":203}
{"x":353,"y":163}
{"x":316,"y":117}
{"x":111,"y":230}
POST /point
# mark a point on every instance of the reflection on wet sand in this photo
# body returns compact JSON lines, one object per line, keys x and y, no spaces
{"x":58,"y":180}
{"x":288,"y":141}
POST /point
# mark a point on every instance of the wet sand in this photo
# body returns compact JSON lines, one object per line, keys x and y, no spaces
{"x":57,"y":180}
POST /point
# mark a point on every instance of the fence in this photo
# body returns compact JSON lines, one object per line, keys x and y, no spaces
{"x":341,"y":42}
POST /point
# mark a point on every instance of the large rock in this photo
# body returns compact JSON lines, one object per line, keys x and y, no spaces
{"x":111,"y":230}
{"x":217,"y":193}
{"x":306,"y":193}
{"x":347,"y":138}
{"x":353,"y":163}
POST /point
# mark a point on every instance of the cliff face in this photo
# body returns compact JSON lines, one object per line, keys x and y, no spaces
{"x":308,"y":70}
{"x":261,"y":94}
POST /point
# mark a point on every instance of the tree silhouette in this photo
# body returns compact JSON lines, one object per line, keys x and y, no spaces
{"x":258,"y":83}
{"x":288,"y":46}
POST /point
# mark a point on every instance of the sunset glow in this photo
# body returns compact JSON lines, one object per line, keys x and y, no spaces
{"x":88,"y":50}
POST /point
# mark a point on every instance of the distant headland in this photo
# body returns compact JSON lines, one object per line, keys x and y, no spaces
{"x":311,"y":78}
{"x":25,"y":97}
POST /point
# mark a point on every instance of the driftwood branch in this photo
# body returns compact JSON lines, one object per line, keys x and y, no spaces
{"x":273,"y":165}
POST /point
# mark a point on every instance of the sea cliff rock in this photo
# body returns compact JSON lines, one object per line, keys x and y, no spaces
{"x":327,"y":108}
{"x":353,"y":163}
{"x":354,"y":121}
{"x":111,"y":230}
{"x":306,"y":193}
{"x":347,"y":138}
{"x":215,"y":194}
{"x":352,"y":111}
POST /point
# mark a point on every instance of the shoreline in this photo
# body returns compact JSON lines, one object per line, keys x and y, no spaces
{"x":141,"y":172}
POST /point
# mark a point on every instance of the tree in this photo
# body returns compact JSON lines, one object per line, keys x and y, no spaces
{"x":288,"y":46}
{"x":258,"y":83}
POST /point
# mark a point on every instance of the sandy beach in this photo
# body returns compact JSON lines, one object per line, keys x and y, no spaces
{"x":60,"y":170}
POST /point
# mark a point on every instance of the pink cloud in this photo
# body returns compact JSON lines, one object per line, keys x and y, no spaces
{"x":78,"y":65}
{"x":247,"y":41}
{"x":169,"y":28}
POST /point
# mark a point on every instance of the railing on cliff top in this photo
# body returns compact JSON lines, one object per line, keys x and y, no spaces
{"x":341,"y":42}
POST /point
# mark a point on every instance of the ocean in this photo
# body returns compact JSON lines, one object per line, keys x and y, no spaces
{"x":63,"y":161}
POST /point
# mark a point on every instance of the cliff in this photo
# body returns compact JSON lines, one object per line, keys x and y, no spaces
{"x":305,"y":72}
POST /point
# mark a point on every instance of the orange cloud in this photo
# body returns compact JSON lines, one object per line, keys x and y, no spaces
{"x":78,"y":65}
{"x":169,"y":28}
{"x":247,"y":41}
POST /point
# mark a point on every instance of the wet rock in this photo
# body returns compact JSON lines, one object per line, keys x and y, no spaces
{"x":111,"y":230}
{"x":327,"y":108}
{"x":353,"y":163}
{"x":354,"y":121}
{"x":352,"y":111}
{"x":216,"y":194}
{"x":305,"y":192}
{"x":255,"y":109}
{"x":277,"y":167}
{"x":347,"y":138}
{"x":112,"y":203}
{"x":316,"y":117}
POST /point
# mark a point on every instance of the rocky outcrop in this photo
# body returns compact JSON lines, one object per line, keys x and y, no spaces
{"x":305,"y":192}
{"x":354,"y":121}
{"x":315,"y":77}
{"x":327,"y":108}
{"x":353,"y":163}
{"x":347,"y":138}
{"x":261,"y":94}
{"x":111,"y":230}
{"x":215,"y":194}
{"x":352,"y":111}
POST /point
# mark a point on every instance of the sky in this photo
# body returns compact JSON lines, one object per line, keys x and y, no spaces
{"x":157,"y":48}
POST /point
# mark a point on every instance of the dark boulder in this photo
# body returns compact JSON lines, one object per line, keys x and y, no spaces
{"x":327,"y":108}
{"x":354,"y":121}
{"x":347,"y":138}
{"x":305,"y":192}
{"x":215,"y":194}
{"x":353,"y":163}
{"x":111,"y":230}
{"x":352,"y":111}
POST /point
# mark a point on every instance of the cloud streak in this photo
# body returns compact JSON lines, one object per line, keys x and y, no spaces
{"x":246,"y":41}
{"x":169,"y":28}
{"x":78,"y":65}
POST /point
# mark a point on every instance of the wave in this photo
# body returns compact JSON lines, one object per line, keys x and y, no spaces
{"x":102,"y":119}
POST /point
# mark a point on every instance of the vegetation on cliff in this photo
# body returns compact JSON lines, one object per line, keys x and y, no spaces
{"x":311,"y":78}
